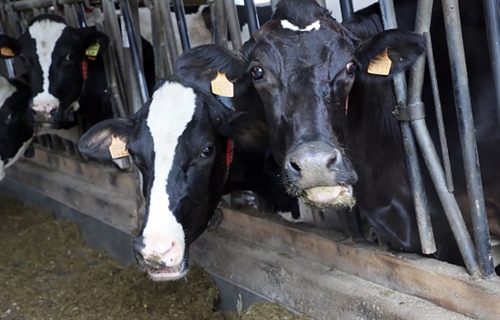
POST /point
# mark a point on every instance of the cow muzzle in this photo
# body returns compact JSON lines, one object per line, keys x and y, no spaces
{"x":320,"y":175}
{"x":43,"y":112}
{"x":163,"y":259}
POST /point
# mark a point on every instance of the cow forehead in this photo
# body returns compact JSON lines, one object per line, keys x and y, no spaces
{"x":46,"y":33}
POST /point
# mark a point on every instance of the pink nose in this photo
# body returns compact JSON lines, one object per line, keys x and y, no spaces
{"x":46,"y":107}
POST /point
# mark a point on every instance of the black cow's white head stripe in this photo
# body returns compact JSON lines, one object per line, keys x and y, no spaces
{"x":45,"y":33}
{"x":288,"y":25}
{"x":166,"y":125}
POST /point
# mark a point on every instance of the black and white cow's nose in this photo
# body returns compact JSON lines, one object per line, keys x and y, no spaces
{"x":158,"y":251}
{"x":44,"y":111}
{"x":314,"y":164}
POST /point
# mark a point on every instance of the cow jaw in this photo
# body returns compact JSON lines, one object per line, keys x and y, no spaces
{"x":330,"y":196}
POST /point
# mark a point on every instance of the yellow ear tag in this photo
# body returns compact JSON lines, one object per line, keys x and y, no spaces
{"x":118,"y":148}
{"x":92,"y":51}
{"x":7,"y":52}
{"x":222,"y":86}
{"x":380,"y":65}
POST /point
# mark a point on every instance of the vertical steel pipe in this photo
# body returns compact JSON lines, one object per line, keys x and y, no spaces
{"x":136,"y":58}
{"x":467,"y":132}
{"x":410,"y":147}
{"x":252,"y":19}
{"x":346,"y":9}
{"x":492,"y":17}
{"x":233,"y":23}
{"x":168,"y":29}
{"x":219,"y":22}
{"x":181,"y":23}
{"x":439,"y":113}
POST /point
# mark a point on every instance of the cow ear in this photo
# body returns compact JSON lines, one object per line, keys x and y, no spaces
{"x":8,"y":47}
{"x":389,"y":52}
{"x":247,"y":131}
{"x":95,"y":142}
{"x":198,"y":66}
{"x":95,"y":43}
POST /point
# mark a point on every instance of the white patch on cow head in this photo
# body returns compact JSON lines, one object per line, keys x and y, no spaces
{"x":45,"y":33}
{"x":171,"y":109}
{"x":285,"y":24}
{"x":6,"y":90}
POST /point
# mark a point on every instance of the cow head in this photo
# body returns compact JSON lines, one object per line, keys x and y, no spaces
{"x":181,"y":142}
{"x":56,"y":58}
{"x":304,"y":64}
{"x":16,"y":123}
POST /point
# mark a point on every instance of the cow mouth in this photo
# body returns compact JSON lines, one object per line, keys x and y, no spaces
{"x":330,"y":196}
{"x":168,"y":273}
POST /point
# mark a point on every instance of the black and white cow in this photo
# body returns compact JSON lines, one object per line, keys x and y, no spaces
{"x":181,"y":141}
{"x":327,"y":96}
{"x":63,"y":63}
{"x":66,"y":71}
{"x":16,"y":122}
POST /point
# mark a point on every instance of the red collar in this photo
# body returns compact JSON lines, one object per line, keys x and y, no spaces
{"x":229,"y":155}
{"x":84,"y":69}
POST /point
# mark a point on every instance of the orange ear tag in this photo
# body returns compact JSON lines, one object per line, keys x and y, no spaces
{"x":380,"y":65}
{"x":221,"y":86}
{"x":118,"y":148}
{"x":7,"y":52}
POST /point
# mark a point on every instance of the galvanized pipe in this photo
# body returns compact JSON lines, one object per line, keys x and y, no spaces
{"x":252,"y":18}
{"x":233,"y":23}
{"x":410,"y":147}
{"x":168,"y":29}
{"x":346,"y":9}
{"x":439,"y":113}
{"x":219,"y":22}
{"x":181,"y":23}
{"x":136,"y":58}
{"x":492,"y":17}
{"x":467,"y":132}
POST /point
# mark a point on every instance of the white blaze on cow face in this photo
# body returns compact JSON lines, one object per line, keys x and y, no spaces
{"x":285,"y":24}
{"x":163,"y":235}
{"x":45,"y":33}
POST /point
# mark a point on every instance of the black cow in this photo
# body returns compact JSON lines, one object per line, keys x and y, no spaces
{"x":16,"y":124}
{"x":181,"y":141}
{"x":327,"y":95}
{"x":65,"y":70}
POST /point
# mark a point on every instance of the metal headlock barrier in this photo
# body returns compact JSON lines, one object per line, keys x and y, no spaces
{"x":127,"y":87}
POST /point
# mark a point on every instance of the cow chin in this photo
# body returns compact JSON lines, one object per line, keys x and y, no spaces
{"x":169,"y":273}
{"x":326,"y":197}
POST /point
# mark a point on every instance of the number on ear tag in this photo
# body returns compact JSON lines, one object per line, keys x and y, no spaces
{"x":118,"y":148}
{"x":222,"y":86}
{"x":92,"y":51}
{"x":380,"y":65}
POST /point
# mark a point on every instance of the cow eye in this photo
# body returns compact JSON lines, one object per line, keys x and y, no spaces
{"x":69,"y":57}
{"x":351,"y":68}
{"x":207,"y":151}
{"x":257,"y":73}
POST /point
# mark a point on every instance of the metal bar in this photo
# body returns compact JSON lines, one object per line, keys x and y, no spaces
{"x":252,"y":19}
{"x":219,"y":22}
{"x":321,"y":3}
{"x":233,"y":23}
{"x":181,"y":23}
{"x":467,"y":133}
{"x":80,"y":15}
{"x":273,"y":5}
{"x":158,"y":39}
{"x":414,"y":174}
{"x":346,"y":9}
{"x":136,"y":58}
{"x":492,"y":19}
{"x":439,"y":113}
{"x":168,"y":29}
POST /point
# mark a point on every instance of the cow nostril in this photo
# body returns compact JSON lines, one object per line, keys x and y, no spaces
{"x":53,"y":112}
{"x":295,"y":167}
{"x":334,"y":160}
